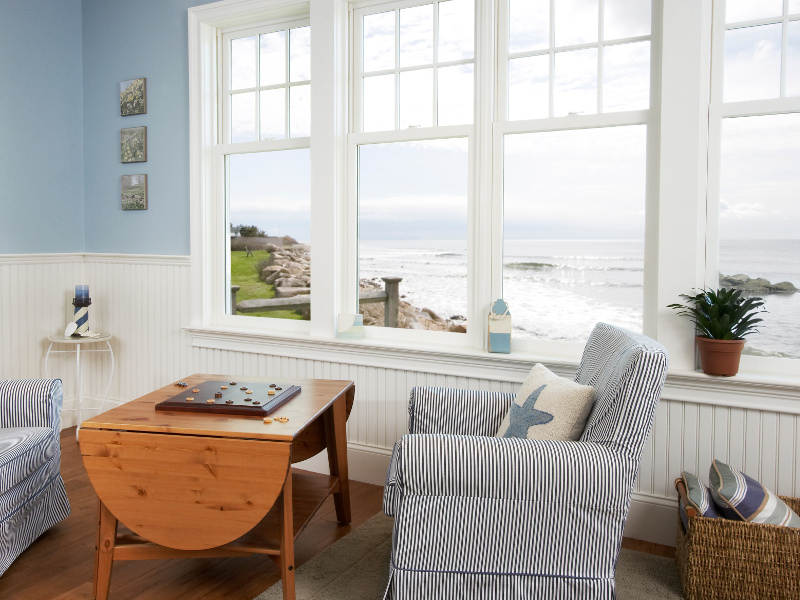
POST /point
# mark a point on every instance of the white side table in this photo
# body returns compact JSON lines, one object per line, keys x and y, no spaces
{"x":77,"y":342}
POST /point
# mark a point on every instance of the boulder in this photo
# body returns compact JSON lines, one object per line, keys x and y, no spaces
{"x":289,"y":292}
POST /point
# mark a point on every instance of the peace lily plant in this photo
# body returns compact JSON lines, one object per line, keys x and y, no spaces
{"x":722,"y":318}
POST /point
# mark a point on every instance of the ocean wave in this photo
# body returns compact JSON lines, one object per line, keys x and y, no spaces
{"x":539,"y":266}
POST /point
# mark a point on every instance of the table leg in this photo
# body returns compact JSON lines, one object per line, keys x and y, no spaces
{"x":336,"y":438}
{"x":104,"y":553}
{"x":78,"y":389}
{"x":287,"y":540}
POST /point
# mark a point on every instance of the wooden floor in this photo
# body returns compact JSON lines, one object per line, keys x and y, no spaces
{"x":60,"y":564}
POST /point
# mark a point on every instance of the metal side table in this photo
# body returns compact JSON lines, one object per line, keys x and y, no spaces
{"x":76,"y":342}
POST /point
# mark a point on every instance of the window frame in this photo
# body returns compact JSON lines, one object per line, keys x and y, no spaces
{"x":718,"y":110}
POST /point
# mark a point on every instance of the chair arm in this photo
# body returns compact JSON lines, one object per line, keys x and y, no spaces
{"x":509,"y":506}
{"x":456,"y":412}
{"x":31,"y":403}
{"x":541,"y":471}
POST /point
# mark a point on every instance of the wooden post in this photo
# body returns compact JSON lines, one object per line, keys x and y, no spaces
{"x":234,"y":289}
{"x":391,"y":307}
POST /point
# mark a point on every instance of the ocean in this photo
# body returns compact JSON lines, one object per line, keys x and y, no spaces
{"x":558,"y":289}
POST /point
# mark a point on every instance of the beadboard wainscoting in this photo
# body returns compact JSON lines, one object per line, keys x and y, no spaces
{"x":144,"y":302}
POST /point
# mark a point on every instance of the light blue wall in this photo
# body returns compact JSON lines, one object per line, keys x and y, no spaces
{"x":41,"y":127}
{"x":124,"y":40}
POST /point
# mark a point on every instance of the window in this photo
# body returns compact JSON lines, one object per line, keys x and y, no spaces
{"x":573,"y":181}
{"x":414,"y":68}
{"x":267,"y":169}
{"x":756,"y":113}
{"x":464,"y":151}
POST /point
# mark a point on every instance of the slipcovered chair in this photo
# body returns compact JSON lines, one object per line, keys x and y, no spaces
{"x":32,"y":494}
{"x":483,"y":517}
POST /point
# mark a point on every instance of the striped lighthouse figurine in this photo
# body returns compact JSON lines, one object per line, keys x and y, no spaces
{"x":81,"y":302}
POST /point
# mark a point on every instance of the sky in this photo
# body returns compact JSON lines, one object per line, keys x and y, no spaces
{"x":558,"y":185}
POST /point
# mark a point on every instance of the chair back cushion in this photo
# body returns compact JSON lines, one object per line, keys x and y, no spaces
{"x":31,"y":403}
{"x":627,"y":371}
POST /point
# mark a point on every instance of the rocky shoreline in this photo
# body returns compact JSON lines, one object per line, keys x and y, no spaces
{"x":288,"y":269}
{"x":757,"y":285}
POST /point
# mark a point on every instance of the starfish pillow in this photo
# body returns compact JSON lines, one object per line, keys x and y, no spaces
{"x":548,"y":407}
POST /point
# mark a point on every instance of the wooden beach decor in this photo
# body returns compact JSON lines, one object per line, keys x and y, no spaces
{"x":500,"y":327}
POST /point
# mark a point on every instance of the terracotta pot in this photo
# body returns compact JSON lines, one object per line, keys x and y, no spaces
{"x":719,"y":357}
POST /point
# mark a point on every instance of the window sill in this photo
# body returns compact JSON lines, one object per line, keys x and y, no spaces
{"x":745,"y":391}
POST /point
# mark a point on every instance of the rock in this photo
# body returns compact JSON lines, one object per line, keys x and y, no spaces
{"x":289,"y":292}
{"x":784,"y":287}
{"x":273,"y":277}
{"x":759,"y":285}
{"x":433,"y":315}
{"x":272,"y":248}
{"x":288,"y":282}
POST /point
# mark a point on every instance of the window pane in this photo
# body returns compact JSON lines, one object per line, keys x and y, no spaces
{"x":456,"y":94}
{"x":243,"y":63}
{"x":379,"y":103}
{"x":416,"y":98}
{"x":379,"y":41}
{"x":794,"y":7}
{"x":745,"y":10}
{"x":273,"y":58}
{"x":626,"y":73}
{"x":456,"y":30}
{"x":243,"y":117}
{"x":273,"y":114}
{"x":759,"y":222}
{"x":575,"y":82}
{"x":416,"y":36}
{"x":300,"y":111}
{"x":269,"y":193}
{"x":626,"y":18}
{"x":752,"y":63}
{"x":529,"y":88}
{"x":528,"y":25}
{"x":793,"y":59}
{"x":573,"y":214}
{"x":412,"y":223}
{"x":300,"y":54}
{"x":575,"y":21}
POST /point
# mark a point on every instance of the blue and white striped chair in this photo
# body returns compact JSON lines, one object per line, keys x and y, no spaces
{"x":480,"y":517}
{"x":32,"y":494}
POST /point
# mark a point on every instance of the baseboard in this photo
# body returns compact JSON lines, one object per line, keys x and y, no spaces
{"x":90,"y":407}
{"x":363,"y":463}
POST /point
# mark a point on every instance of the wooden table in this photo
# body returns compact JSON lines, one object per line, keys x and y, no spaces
{"x":200,"y":485}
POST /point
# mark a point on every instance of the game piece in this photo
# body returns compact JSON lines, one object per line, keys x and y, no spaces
{"x":267,"y":420}
{"x":223,"y":387}
{"x":271,"y":393}
{"x":190,"y":399}
{"x":218,"y":395}
{"x":210,"y":401}
{"x":196,"y":391}
{"x":182,"y":384}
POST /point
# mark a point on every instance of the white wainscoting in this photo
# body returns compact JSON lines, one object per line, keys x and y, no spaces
{"x":144,"y":302}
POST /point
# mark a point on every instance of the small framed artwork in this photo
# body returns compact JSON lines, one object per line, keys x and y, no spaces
{"x":133,"y":144}
{"x":134,"y":192}
{"x":133,"y":97}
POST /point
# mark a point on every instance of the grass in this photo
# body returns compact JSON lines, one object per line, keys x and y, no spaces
{"x":243,"y":274}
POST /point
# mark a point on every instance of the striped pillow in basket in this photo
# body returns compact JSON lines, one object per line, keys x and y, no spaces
{"x":742,"y":498}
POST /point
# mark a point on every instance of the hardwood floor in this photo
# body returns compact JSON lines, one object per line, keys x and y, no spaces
{"x":60,"y":564}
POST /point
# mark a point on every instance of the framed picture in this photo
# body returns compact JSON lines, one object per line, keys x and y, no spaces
{"x":133,"y":144}
{"x":132,"y":97}
{"x":134,"y":192}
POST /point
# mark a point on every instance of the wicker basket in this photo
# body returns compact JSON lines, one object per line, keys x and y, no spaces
{"x":732,"y":560}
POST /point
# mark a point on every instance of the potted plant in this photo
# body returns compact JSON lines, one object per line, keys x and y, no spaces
{"x":722,"y":317}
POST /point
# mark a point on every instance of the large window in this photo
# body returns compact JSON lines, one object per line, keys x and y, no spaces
{"x":467,"y":150}
{"x":573,"y":181}
{"x":756,"y":109}
{"x":266,"y":127}
{"x":414,"y":66}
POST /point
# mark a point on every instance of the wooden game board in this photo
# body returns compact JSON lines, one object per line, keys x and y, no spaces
{"x":230,"y":397}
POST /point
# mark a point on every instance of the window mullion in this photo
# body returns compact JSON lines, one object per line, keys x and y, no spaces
{"x":435,"y":119}
{"x":600,"y":55}
{"x":287,"y":95}
{"x":784,"y":47}
{"x":552,"y":57}
{"x":397,"y":69}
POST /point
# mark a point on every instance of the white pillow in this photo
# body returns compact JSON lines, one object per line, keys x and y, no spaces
{"x":548,"y":407}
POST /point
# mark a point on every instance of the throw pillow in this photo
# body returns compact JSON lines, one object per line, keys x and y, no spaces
{"x":698,"y":496}
{"x":742,"y":498}
{"x":548,"y":407}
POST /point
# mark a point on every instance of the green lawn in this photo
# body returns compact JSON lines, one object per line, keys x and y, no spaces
{"x":243,"y":274}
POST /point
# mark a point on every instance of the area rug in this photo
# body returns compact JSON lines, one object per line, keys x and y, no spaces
{"x":356,"y":567}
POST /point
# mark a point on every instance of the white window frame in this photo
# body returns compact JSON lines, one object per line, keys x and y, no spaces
{"x":718,"y":111}
{"x":477,"y":305}
{"x":682,"y":184}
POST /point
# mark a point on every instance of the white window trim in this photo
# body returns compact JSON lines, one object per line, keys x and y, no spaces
{"x":678,"y":145}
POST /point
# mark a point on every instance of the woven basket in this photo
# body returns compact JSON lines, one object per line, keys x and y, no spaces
{"x":735,"y":560}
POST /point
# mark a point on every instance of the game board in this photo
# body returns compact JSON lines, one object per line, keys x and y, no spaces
{"x":230,"y":398}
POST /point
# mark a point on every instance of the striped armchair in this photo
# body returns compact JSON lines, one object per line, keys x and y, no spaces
{"x":32,"y":495}
{"x":480,"y":517}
